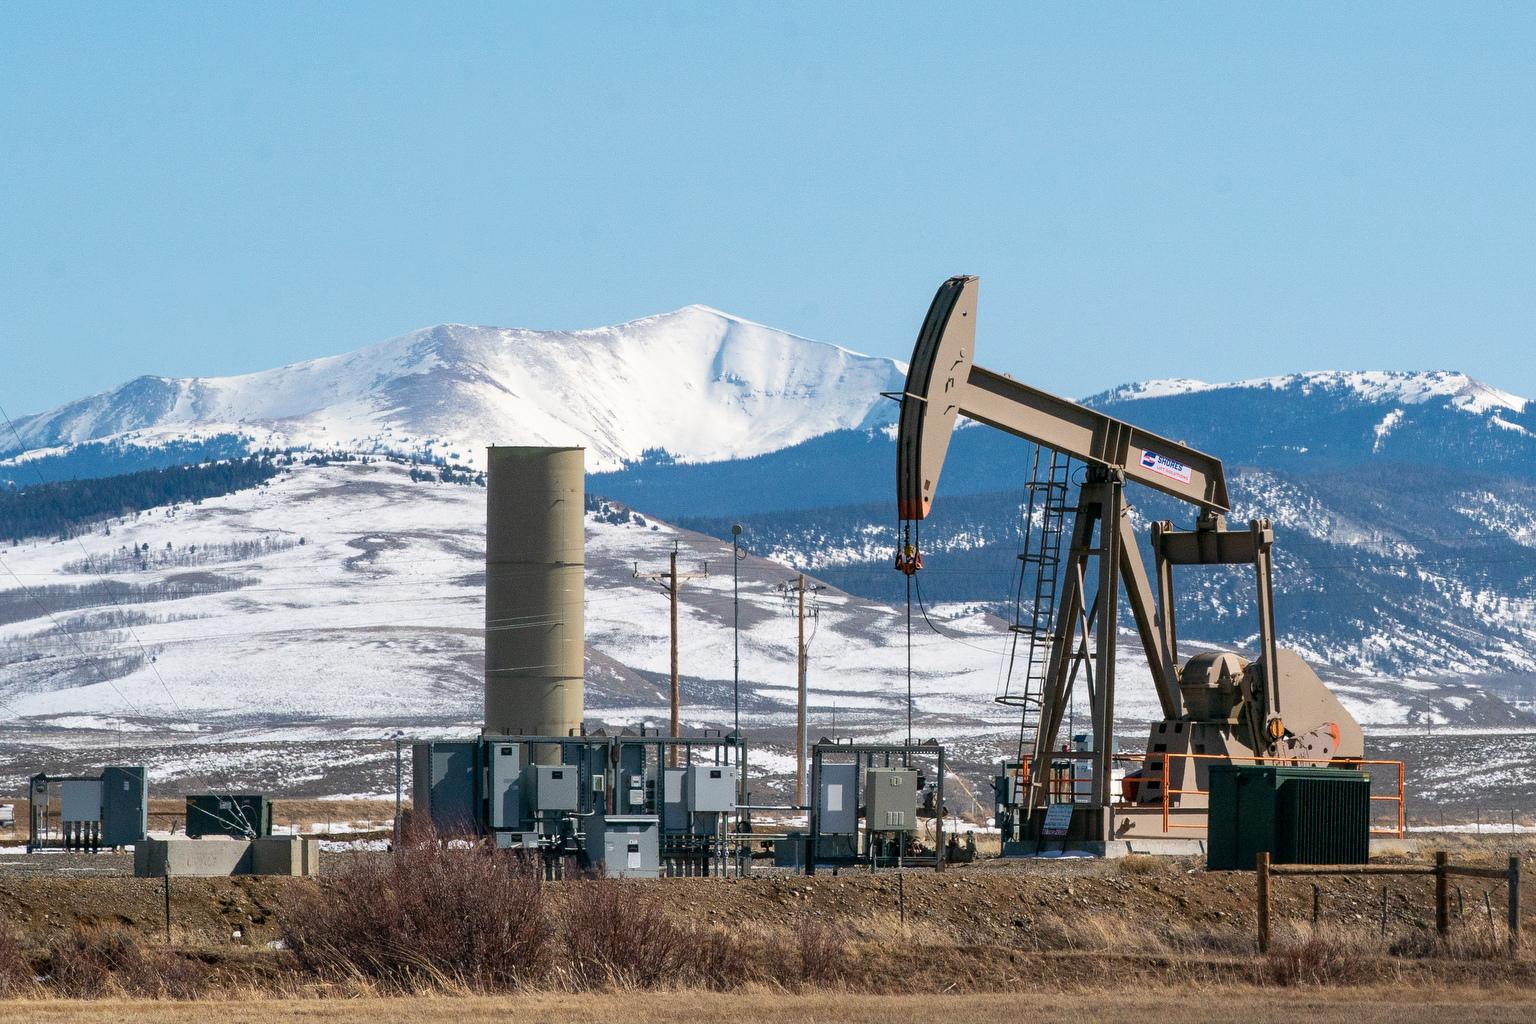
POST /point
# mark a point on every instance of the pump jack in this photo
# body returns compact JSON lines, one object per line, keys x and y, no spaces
{"x":1274,"y":707}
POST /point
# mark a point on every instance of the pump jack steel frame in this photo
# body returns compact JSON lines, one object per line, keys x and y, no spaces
{"x":943,"y":383}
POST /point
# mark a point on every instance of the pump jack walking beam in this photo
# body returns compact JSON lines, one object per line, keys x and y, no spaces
{"x":943,"y":384}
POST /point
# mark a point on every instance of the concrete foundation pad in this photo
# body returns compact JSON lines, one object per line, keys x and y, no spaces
{"x":1157,"y":847}
{"x":285,"y":856}
{"x":194,"y":858}
{"x":218,"y":856}
{"x":1050,"y":849}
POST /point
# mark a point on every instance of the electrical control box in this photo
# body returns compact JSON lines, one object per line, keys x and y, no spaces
{"x":674,"y":801}
{"x":631,"y":846}
{"x":632,"y":791}
{"x":444,"y":787}
{"x":890,"y":799}
{"x":555,"y":788}
{"x":80,"y":800}
{"x":712,"y":788}
{"x":242,"y":815}
{"x":837,"y":801}
{"x":124,"y":805}
{"x":505,"y":797}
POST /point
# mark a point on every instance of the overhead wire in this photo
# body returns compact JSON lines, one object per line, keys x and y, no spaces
{"x":245,"y":824}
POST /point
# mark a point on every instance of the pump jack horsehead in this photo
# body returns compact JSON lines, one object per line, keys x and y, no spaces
{"x":1214,"y":703}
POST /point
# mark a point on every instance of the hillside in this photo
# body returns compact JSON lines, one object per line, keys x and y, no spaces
{"x":1405,"y":508}
{"x":274,"y":635}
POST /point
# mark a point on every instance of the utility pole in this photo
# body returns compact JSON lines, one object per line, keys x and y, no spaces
{"x":397,"y":736}
{"x":736,"y":629}
{"x":672,"y":581}
{"x":799,"y":587}
{"x":736,"y":659}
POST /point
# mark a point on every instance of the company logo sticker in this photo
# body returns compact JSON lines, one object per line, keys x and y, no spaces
{"x":1165,"y":466}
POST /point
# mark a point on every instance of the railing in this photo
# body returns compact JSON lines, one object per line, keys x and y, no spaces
{"x":1060,"y":785}
{"x":1399,"y":829}
{"x":1066,"y":785}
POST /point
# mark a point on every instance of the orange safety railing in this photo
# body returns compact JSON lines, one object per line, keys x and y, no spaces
{"x":1069,"y":782}
{"x":1354,"y":762}
{"x":1060,"y":785}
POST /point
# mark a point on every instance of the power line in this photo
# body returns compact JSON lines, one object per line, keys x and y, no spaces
{"x":67,"y":633}
{"x":672,"y":582}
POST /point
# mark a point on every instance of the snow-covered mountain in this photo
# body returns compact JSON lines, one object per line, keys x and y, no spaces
{"x":1405,"y":509}
{"x":697,"y":383}
{"x":1378,"y":386}
{"x":302,"y":618}
{"x":1313,"y":420}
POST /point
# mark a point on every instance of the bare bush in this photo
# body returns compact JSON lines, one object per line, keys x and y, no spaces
{"x":1136,"y":864}
{"x":615,"y":935}
{"x":90,"y":963}
{"x":1328,"y":954}
{"x":822,"y":952}
{"x":16,"y":976}
{"x":431,"y":915}
{"x":719,"y":960}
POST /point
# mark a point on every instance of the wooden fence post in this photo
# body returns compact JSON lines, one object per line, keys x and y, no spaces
{"x":1261,"y":872}
{"x":167,"y":904}
{"x":1514,"y":902}
{"x":1442,"y":893}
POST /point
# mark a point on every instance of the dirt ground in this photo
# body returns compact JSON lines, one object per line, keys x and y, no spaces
{"x":1074,"y":939}
{"x":1139,"y":904}
{"x":1369,"y":1005}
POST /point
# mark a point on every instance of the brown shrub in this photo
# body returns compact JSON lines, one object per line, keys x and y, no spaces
{"x":430,"y":915}
{"x":93,"y":962}
{"x":1136,"y":864}
{"x":615,"y":935}
{"x":822,"y":953}
{"x":16,"y":974}
{"x":1319,"y":959}
{"x":720,"y":960}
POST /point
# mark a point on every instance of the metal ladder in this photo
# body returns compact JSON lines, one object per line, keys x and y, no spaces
{"x":1046,"y":495}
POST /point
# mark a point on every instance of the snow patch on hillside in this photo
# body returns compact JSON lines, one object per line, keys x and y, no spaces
{"x":1384,"y":428}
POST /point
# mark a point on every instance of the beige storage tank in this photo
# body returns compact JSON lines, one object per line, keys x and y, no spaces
{"x":534,"y":561}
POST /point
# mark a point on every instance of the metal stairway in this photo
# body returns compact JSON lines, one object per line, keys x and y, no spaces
{"x":1044,"y":530}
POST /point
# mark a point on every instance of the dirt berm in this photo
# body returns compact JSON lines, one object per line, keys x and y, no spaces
{"x":990,"y":925}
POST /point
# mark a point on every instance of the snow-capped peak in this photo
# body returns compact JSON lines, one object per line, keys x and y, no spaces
{"x":1375,"y":386}
{"x":699,"y":383}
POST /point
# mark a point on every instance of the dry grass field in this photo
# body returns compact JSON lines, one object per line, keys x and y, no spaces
{"x":1230,"y":1005}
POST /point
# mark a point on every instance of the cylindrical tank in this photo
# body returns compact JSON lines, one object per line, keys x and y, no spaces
{"x":534,"y":561}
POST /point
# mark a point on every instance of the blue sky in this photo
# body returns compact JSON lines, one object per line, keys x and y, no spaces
{"x":1213,"y":190}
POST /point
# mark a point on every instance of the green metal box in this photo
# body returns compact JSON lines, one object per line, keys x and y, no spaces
{"x":244,"y":815}
{"x":1299,"y":815}
{"x":890,"y":799}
